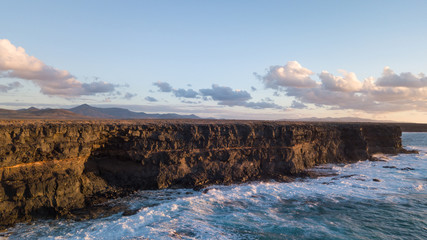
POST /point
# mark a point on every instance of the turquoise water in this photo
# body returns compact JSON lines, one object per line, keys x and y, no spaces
{"x":365,"y":200}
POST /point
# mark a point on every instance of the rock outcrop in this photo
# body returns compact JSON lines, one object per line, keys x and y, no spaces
{"x":49,"y":168}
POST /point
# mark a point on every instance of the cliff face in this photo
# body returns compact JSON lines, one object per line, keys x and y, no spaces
{"x":49,"y":168}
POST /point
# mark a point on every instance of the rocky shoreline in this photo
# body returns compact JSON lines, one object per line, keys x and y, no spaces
{"x":50,"y":168}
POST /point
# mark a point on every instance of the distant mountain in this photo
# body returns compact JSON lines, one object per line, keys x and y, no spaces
{"x":86,"y":112}
{"x":34,"y":113}
{"x":330,"y":119}
{"x":122,"y":113}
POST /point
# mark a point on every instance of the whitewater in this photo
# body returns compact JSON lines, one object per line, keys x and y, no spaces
{"x":384,"y":199}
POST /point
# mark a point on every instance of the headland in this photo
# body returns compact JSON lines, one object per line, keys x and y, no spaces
{"x":49,"y":168}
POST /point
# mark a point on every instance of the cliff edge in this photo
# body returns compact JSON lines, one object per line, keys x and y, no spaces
{"x":48,"y":168}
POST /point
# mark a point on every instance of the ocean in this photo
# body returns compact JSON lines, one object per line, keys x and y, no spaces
{"x":365,"y":200}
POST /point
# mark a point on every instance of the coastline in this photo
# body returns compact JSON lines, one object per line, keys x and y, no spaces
{"x":50,"y":168}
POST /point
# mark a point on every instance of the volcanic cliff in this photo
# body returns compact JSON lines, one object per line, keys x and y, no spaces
{"x":48,"y":168}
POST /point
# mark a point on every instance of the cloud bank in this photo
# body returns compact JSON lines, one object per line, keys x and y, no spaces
{"x":226,"y":95}
{"x":16,"y":63}
{"x":229,"y":97}
{"x":223,"y":95}
{"x":389,"y":93}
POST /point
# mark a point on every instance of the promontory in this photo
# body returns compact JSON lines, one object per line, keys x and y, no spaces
{"x":48,"y":168}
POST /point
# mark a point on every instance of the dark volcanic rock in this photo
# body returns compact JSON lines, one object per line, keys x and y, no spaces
{"x":49,"y":168}
{"x":407,"y":169}
{"x":389,"y":166}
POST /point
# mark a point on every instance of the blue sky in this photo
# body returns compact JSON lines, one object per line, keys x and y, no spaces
{"x":118,"y":53}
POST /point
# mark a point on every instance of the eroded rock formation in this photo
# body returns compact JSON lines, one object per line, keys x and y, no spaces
{"x":49,"y":168}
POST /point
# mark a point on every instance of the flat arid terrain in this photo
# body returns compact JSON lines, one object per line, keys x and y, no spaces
{"x":90,"y":113}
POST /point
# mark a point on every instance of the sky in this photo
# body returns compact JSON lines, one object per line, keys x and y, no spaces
{"x":264,"y":60}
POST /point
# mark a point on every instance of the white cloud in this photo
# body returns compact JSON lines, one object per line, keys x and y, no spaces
{"x":347,"y":83}
{"x":16,"y":59}
{"x":406,"y":79}
{"x":16,"y":63}
{"x":290,"y":75}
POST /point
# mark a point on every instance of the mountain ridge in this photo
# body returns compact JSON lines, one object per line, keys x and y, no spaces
{"x":34,"y":113}
{"x":123,"y":113}
{"x":86,"y":111}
